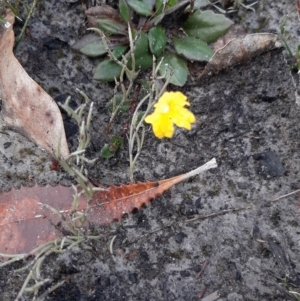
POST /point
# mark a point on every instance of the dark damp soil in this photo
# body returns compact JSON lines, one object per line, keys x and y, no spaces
{"x":247,"y":118}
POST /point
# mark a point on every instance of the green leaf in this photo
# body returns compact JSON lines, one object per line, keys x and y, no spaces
{"x":143,"y":59}
{"x":116,"y":143}
{"x":141,"y":45}
{"x":119,"y":51}
{"x":198,"y":4}
{"x":160,"y":7}
{"x":207,"y":25}
{"x":150,"y":3}
{"x":112,"y":27}
{"x":176,"y":67}
{"x":124,"y":10}
{"x":108,"y":150}
{"x":157,"y":40}
{"x":193,"y":49}
{"x":94,"y":49}
{"x":157,"y":19}
{"x":106,"y":71}
{"x":143,"y":62}
{"x":140,"y":7}
{"x":124,"y":108}
{"x":105,"y":152}
{"x":169,"y":10}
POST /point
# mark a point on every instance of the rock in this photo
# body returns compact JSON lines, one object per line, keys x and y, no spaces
{"x":132,"y":278}
{"x":269,"y":165}
{"x":179,"y":237}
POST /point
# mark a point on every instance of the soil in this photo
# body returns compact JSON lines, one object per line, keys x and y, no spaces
{"x":247,"y":118}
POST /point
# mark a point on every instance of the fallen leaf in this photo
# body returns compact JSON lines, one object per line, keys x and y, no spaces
{"x":235,"y":32}
{"x":26,"y":107}
{"x":106,"y":18}
{"x":26,"y":220}
{"x":240,"y":50}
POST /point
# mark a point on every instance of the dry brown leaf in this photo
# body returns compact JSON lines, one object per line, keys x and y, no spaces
{"x":26,"y":107}
{"x":105,"y":13}
{"x":235,"y":31}
{"x":240,"y":50}
{"x":27,"y":222}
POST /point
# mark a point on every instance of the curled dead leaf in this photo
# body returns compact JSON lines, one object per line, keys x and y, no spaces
{"x":27,"y":220}
{"x":26,"y":107}
{"x":240,"y":50}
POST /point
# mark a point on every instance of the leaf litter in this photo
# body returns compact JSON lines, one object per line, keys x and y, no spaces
{"x":26,"y":107}
{"x":240,"y":50}
{"x":275,"y":232}
{"x":27,"y":221}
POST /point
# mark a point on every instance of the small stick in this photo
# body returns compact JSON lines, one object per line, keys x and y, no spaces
{"x":20,"y":36}
{"x":205,"y":264}
{"x":202,"y":293}
{"x":284,"y":196}
{"x":111,"y":251}
{"x":217,"y":213}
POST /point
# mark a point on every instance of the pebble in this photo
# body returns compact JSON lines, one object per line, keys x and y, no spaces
{"x":179,"y":237}
{"x":269,"y":165}
{"x":132,"y":277}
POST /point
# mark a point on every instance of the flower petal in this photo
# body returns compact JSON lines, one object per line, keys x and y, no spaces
{"x":183,"y":118}
{"x":152,"y":118}
{"x":170,"y":99}
{"x":170,"y":109}
{"x":163,"y":128}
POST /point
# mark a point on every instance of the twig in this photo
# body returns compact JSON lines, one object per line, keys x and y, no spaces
{"x":202,"y":293}
{"x":205,"y":264}
{"x":284,"y":196}
{"x":111,"y":251}
{"x":20,"y":36}
{"x":217,"y":213}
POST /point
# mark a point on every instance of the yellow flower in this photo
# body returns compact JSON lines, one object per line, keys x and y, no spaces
{"x":170,"y":109}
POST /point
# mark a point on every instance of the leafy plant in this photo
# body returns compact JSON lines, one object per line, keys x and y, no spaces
{"x":108,"y":150}
{"x":147,"y":20}
{"x":283,"y":35}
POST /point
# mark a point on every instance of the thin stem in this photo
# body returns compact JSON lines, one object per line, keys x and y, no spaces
{"x":20,"y":36}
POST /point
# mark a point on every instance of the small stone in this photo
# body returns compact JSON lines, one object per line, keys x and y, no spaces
{"x":198,"y":204}
{"x":179,"y":237}
{"x":112,"y":279}
{"x":242,"y":185}
{"x":7,"y":145}
{"x":269,"y":165}
{"x":187,"y":209}
{"x":132,"y":277}
{"x":185,"y":273}
{"x":144,"y":255}
{"x":113,"y":162}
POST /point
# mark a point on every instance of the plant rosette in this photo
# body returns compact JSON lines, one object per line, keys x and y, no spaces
{"x":144,"y":17}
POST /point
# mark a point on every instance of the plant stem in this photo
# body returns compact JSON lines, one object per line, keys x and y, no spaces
{"x":20,"y":36}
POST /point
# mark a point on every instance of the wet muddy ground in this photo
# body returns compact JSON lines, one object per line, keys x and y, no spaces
{"x":247,"y":118}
